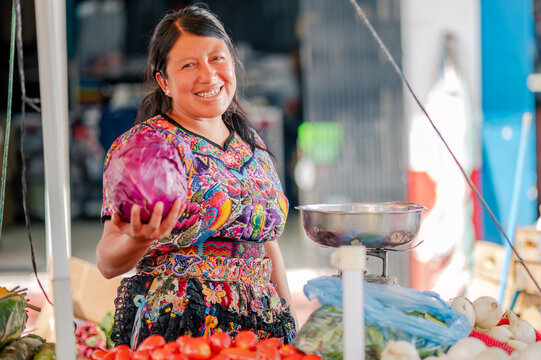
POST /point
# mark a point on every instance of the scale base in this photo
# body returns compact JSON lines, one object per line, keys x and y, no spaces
{"x":378,"y":279}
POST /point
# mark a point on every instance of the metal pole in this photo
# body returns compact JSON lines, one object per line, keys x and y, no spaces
{"x":52,"y":55}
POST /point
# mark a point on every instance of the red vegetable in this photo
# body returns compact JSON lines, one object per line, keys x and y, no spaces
{"x":288,"y":350}
{"x":267,"y":353}
{"x":98,"y":354}
{"x":142,"y":355}
{"x":152,"y":342}
{"x":245,"y":339}
{"x":271,"y":342}
{"x":219,"y":341}
{"x":236,"y":353}
{"x":196,"y":348}
{"x":145,"y":170}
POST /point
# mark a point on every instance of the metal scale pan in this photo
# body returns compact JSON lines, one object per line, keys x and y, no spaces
{"x":380,"y":227}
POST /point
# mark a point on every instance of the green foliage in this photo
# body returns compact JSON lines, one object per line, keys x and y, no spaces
{"x":12,"y":317}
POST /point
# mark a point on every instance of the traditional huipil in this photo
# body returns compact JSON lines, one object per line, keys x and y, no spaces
{"x":211,"y":273}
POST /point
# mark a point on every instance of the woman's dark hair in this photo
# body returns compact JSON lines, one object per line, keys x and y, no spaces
{"x":196,"y":21}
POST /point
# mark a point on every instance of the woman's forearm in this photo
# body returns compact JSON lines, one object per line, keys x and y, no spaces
{"x":123,"y":244}
{"x":278,"y":275}
{"x":118,"y":253}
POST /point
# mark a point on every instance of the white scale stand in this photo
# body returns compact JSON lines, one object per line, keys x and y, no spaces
{"x":351,"y":261}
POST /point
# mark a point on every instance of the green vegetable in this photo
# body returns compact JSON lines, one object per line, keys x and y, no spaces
{"x":12,"y":316}
{"x":106,"y":325}
{"x":428,"y":317}
{"x":322,"y":335}
{"x":22,"y":349}
{"x":46,"y":352}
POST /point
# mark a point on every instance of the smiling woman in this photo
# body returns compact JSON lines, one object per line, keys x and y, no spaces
{"x":212,"y":263}
{"x":200,"y":79}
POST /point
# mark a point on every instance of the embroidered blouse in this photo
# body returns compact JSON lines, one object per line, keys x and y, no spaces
{"x":234,"y":191}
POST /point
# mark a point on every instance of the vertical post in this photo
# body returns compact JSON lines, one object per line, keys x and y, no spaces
{"x":351,"y":260}
{"x":52,"y":55}
{"x":515,"y":203}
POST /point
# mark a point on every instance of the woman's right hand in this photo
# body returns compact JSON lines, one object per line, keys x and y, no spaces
{"x":158,"y":227}
{"x":123,"y":244}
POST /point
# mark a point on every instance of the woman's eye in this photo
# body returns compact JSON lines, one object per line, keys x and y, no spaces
{"x":218,"y":58}
{"x":185,"y":66}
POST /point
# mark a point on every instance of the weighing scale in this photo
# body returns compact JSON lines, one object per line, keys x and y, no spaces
{"x":358,"y":230}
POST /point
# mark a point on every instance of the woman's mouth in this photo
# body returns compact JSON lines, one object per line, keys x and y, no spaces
{"x":209,"y":93}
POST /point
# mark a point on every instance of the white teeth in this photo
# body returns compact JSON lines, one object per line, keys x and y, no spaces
{"x":209,"y":94}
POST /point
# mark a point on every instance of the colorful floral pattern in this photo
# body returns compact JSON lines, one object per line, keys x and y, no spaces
{"x":233,"y":192}
{"x":210,"y":274}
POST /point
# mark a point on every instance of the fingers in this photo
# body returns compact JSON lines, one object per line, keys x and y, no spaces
{"x":116,"y":219}
{"x":118,"y":222}
{"x":158,"y":226}
{"x":135,"y":218}
{"x":157,"y":213}
{"x":152,"y":229}
{"x":175,"y":212}
{"x":171,"y":219}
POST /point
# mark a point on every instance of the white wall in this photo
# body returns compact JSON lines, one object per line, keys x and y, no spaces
{"x":424,"y":23}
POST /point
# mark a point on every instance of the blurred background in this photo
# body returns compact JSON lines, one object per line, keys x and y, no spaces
{"x":329,"y":105}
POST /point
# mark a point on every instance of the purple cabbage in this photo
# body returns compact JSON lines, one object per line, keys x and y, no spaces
{"x":145,"y":170}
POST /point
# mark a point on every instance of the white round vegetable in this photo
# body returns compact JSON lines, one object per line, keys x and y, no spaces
{"x":531,"y":352}
{"x":517,"y":344}
{"x":465,"y":348}
{"x":488,"y":312}
{"x":492,"y":353}
{"x":464,"y":306}
{"x":399,"y":350}
{"x":521,"y":329}
{"x":500,"y":333}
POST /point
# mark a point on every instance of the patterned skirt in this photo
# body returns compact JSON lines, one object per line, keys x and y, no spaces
{"x":219,"y":286}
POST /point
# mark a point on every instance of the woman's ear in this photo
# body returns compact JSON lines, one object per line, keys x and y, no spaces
{"x":162,"y":81}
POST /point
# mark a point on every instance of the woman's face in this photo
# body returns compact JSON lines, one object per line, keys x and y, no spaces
{"x":200,"y":77}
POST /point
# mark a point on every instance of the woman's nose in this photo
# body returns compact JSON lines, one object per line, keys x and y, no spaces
{"x":206,"y":72}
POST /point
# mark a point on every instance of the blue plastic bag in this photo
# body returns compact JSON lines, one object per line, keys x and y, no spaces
{"x":388,"y":309}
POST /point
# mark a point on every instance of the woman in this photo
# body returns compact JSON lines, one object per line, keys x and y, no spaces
{"x":212,"y":263}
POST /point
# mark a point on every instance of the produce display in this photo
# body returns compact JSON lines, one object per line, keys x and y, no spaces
{"x":144,"y":171}
{"x":13,"y":317}
{"x":46,"y":352}
{"x":219,"y":346}
{"x":391,"y":313}
{"x":404,"y":324}
{"x":90,"y":336}
{"x":400,"y":324}
{"x":23,"y":348}
{"x":496,"y":334}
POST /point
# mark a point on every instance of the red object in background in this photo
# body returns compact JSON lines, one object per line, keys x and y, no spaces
{"x":475,"y":178}
{"x":422,"y":191}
